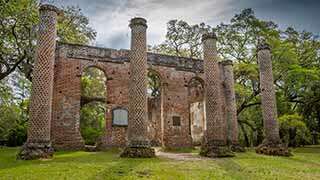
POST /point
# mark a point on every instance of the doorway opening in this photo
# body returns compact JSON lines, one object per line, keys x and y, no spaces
{"x":196,"y":109}
{"x":154,"y":107}
{"x":93,"y":105}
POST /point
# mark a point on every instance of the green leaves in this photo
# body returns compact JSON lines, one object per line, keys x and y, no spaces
{"x":92,"y":114}
{"x":73,"y":27}
{"x":293,"y":130}
{"x":92,"y":122}
{"x":18,"y":33}
{"x":182,"y":39}
{"x":93,"y":83}
{"x":13,"y":128}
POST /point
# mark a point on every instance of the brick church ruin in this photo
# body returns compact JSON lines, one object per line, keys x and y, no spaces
{"x":195,"y":104}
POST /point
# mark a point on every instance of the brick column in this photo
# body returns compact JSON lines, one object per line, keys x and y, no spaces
{"x":38,"y":144}
{"x":215,"y":139}
{"x":231,"y":106}
{"x":271,"y":144}
{"x":138,"y":142}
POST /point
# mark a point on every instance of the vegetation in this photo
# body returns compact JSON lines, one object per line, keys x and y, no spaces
{"x":108,"y":165}
{"x":92,"y":114}
{"x":19,"y":25}
{"x":296,"y":65}
{"x":296,"y":68}
{"x":294,"y":131}
{"x":18,"y":29}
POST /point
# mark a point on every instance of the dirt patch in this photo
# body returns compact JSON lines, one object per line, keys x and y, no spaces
{"x":180,"y":156}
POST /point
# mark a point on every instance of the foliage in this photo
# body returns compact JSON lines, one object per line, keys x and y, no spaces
{"x":18,"y":31}
{"x":92,"y":122}
{"x":296,"y":66}
{"x":295,"y":55}
{"x":13,"y":129}
{"x":92,"y":115}
{"x":182,"y":39}
{"x":293,"y":130}
{"x":93,"y":83}
{"x":154,"y":84}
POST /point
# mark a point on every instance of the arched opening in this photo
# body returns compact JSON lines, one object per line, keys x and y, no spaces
{"x":93,"y":105}
{"x":154,"y":84}
{"x":196,"y":109}
{"x":154,"y":107}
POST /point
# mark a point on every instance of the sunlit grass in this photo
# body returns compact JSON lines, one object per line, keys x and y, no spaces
{"x":305,"y":164}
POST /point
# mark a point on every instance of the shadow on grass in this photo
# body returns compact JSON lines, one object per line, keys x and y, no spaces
{"x":8,"y":156}
{"x":307,"y":149}
{"x":121,"y":168}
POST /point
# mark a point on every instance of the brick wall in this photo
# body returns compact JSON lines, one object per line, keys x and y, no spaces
{"x":175,"y":74}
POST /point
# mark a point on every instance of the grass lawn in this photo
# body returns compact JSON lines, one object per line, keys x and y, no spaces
{"x":305,"y":164}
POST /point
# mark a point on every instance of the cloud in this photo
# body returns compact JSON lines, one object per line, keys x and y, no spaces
{"x":110,"y":18}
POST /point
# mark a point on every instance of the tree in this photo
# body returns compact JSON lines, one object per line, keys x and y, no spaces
{"x":18,"y":30}
{"x":154,"y":84}
{"x":296,"y":64}
{"x":93,"y":104}
{"x":182,"y":39}
{"x":13,"y":110}
{"x":294,"y":131}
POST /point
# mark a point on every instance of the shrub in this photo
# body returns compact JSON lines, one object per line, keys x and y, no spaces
{"x":293,"y":130}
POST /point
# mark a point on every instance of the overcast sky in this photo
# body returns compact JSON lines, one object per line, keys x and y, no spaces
{"x":110,"y":18}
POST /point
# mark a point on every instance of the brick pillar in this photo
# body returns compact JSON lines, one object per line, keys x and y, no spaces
{"x":271,"y":144}
{"x":138,"y":142}
{"x":164,"y":111}
{"x":38,"y":144}
{"x":231,"y":107}
{"x":215,"y":137}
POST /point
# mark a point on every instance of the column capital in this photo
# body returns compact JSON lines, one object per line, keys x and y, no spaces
{"x":49,"y":7}
{"x":227,"y":62}
{"x":263,"y":45}
{"x":210,"y":35}
{"x":138,"y":21}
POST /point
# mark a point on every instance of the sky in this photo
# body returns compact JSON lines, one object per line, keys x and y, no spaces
{"x":110,"y":18}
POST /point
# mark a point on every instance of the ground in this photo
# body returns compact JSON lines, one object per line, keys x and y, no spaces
{"x":305,"y":164}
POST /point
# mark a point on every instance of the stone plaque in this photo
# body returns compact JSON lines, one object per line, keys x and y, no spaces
{"x":120,"y":117}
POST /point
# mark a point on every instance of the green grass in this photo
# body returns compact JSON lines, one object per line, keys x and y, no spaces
{"x":305,"y":164}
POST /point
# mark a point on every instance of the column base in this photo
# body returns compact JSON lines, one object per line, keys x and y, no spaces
{"x":237,"y":148}
{"x":215,"y":150}
{"x":273,"y":149}
{"x":30,"y":151}
{"x":138,"y":152}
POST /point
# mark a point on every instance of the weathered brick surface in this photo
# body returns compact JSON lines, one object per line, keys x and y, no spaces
{"x":41,"y":94}
{"x":154,"y":121}
{"x":216,"y":124}
{"x":175,"y":75}
{"x":137,"y":127}
{"x":268,"y":101}
{"x":38,"y":144}
{"x":230,"y":101}
{"x":214,"y":143}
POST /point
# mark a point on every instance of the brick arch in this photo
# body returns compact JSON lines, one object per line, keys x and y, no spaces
{"x":94,"y":64}
{"x":191,"y":84}
{"x":160,"y":77}
{"x":102,"y":67}
{"x":197,"y":78}
{"x":155,"y":112}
